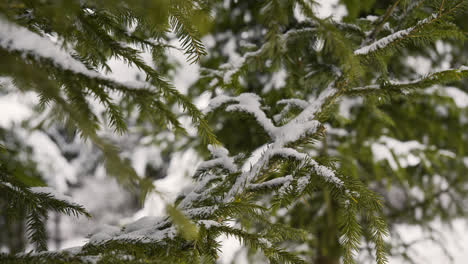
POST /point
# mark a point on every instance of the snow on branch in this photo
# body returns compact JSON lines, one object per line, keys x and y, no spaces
{"x":20,"y":39}
{"x":246,"y":102}
{"x":292,"y":131}
{"x":303,"y":124}
{"x":295,"y":102}
{"x":229,"y":70}
{"x":221,"y":159}
{"x":288,"y":153}
{"x":289,"y":104}
{"x":194,"y":205}
{"x":328,"y":174}
{"x":16,"y":38}
{"x":271,"y":183}
{"x":316,"y":104}
{"x":438,"y":77}
{"x":151,"y":229}
{"x":200,"y":192}
{"x":145,"y":235}
{"x":384,"y":42}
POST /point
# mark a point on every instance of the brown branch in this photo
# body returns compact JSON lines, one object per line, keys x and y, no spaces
{"x":441,"y":7}
{"x":384,"y":19}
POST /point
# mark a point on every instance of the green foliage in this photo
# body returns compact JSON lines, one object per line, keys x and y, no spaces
{"x":19,"y":197}
{"x":92,"y":33}
{"x":184,"y":225}
{"x":296,"y":142}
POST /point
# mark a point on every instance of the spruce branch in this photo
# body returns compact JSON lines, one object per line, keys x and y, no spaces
{"x":190,"y":42}
{"x":382,"y":21}
{"x":394,"y":40}
{"x":440,"y":77}
{"x":37,"y":202}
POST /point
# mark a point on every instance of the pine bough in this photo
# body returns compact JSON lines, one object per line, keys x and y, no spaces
{"x":224,"y":191}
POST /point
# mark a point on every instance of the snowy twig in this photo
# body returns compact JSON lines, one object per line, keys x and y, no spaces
{"x":423,"y":82}
{"x":384,"y":42}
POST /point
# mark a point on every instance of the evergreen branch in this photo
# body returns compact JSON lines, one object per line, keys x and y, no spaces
{"x":229,"y":73}
{"x":280,"y":175}
{"x":351,"y":233}
{"x":36,"y":201}
{"x":13,"y":38}
{"x":394,"y":39}
{"x":187,"y":35}
{"x":336,"y":44}
{"x":383,"y":20}
{"x":413,"y":6}
{"x":113,"y":23}
{"x":273,"y":253}
{"x":248,"y":103}
{"x":378,"y":232}
{"x":36,"y":228}
{"x":236,"y":208}
{"x":43,"y":198}
{"x":441,"y":77}
{"x":220,"y":159}
{"x":239,"y":208}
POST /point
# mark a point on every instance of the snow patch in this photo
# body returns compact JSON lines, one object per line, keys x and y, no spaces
{"x":383,"y":148}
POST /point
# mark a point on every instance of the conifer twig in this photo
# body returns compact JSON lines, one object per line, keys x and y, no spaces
{"x":382,"y":22}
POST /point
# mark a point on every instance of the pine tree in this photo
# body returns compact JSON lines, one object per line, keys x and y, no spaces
{"x":289,"y":149}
